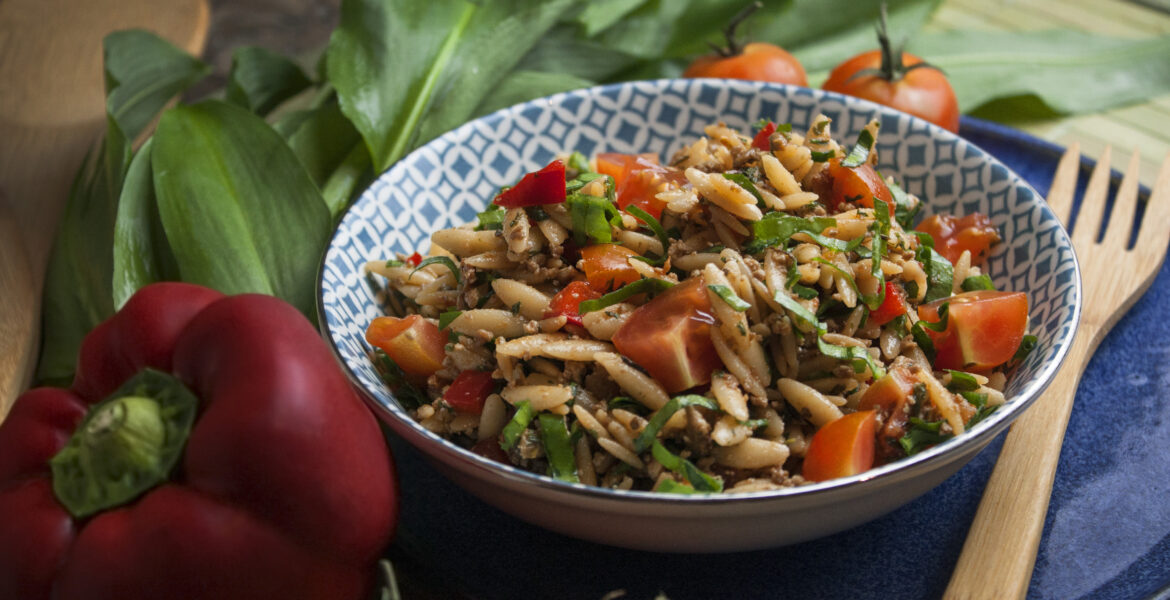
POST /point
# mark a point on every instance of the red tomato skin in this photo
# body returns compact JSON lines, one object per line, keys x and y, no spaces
{"x":984,"y":329}
{"x":568,"y":301}
{"x":546,"y":186}
{"x":414,"y":259}
{"x":759,"y":61}
{"x":952,"y":235}
{"x":415,"y":344}
{"x":607,"y":266}
{"x":892,"y":307}
{"x":762,"y":141}
{"x":490,"y":448}
{"x":469,"y":390}
{"x":842,"y":448}
{"x":859,"y":185}
{"x":923,"y":92}
{"x":888,"y":396}
{"x":641,"y":182}
{"x":670,"y":337}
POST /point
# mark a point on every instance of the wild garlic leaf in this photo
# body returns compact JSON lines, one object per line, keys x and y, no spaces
{"x":987,"y":66}
{"x":407,"y":71}
{"x":260,"y":79}
{"x":239,"y":210}
{"x":142,"y":254}
{"x":143,"y":72}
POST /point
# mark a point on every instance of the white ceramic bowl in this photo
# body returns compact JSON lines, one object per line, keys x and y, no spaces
{"x":447,"y":181}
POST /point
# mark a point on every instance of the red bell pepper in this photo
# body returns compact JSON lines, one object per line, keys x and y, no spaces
{"x":209,"y":448}
{"x":763,"y":139}
{"x":546,"y":186}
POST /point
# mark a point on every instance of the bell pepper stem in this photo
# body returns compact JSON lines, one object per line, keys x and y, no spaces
{"x":126,"y":445}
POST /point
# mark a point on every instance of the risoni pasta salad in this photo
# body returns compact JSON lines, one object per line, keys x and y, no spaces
{"x":755,"y":313}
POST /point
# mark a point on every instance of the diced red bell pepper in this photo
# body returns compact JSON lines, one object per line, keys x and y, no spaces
{"x":469,"y":391}
{"x":414,"y":259}
{"x":892,"y":307}
{"x":763,"y":137}
{"x":546,"y":186}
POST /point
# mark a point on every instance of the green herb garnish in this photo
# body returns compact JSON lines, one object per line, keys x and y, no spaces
{"x":729,"y":296}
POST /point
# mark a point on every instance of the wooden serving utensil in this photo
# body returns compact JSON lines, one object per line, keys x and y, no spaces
{"x":1000,"y":551}
{"x":52,"y":110}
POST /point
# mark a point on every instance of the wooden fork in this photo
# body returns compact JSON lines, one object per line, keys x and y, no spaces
{"x":1000,"y":550}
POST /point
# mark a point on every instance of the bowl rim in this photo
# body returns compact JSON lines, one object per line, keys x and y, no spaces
{"x":403,"y":425}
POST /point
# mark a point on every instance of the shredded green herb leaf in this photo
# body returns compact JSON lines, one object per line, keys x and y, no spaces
{"x":977,"y":282}
{"x":641,"y":286}
{"x":491,"y":218}
{"x":742,"y":181}
{"x":858,"y":356}
{"x":728,"y":295}
{"x":441,"y":260}
{"x":664,"y":414}
{"x":702,"y":481}
{"x":555,"y":435}
{"x":445,"y":318}
{"x":515,"y":428}
{"x":922,"y":435}
{"x":653,"y":224}
{"x":860,"y":152}
{"x":407,"y":395}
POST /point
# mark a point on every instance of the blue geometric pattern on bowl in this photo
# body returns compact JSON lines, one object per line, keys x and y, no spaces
{"x":447,"y":181}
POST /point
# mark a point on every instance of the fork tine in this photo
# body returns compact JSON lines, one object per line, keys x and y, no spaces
{"x":1155,"y":231}
{"x":1093,"y":203}
{"x":1064,"y":183}
{"x":1124,"y":205}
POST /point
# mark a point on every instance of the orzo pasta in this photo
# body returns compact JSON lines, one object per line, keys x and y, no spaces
{"x":751,"y":314}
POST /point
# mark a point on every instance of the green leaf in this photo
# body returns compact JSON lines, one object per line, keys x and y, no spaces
{"x":441,"y":260}
{"x":701,"y":481}
{"x":728,"y":296}
{"x":515,"y":428}
{"x":653,"y":224}
{"x":522,"y":86}
{"x":922,"y":435}
{"x":563,"y":50}
{"x":590,"y":216}
{"x":240,"y":212}
{"x":940,"y":274}
{"x":822,"y":33}
{"x":557,"y":448}
{"x":987,"y":66}
{"x":599,"y":15}
{"x":776,"y":228}
{"x":78,"y":280}
{"x":409,"y":396}
{"x":407,"y":71}
{"x":641,"y":286}
{"x":446,"y":317}
{"x":143,"y":72}
{"x":650,"y":432}
{"x":142,"y":254}
{"x":905,"y":209}
{"x":962,"y":381}
{"x":860,"y":152}
{"x":977,"y":282}
{"x":260,"y":80}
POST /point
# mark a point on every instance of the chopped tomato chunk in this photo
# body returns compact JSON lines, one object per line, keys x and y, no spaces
{"x":841,"y":448}
{"x":984,"y":329}
{"x":670,"y":337}
{"x":973,"y":232}
{"x":469,"y":391}
{"x":892,"y":307}
{"x":413,"y":343}
{"x":858,"y":185}
{"x":607,"y":266}
{"x":614,"y":164}
{"x":641,"y":181}
{"x":546,"y":186}
{"x":889,"y":396}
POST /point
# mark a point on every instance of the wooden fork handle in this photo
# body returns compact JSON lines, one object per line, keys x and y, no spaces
{"x":1000,"y":551}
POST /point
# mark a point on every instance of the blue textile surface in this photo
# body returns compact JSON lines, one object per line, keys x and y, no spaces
{"x":1107,"y":534}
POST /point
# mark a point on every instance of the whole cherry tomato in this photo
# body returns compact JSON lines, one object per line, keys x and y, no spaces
{"x":757,"y":61}
{"x":899,"y":80}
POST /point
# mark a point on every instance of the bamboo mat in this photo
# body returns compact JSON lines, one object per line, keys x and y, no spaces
{"x":1143,"y":126}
